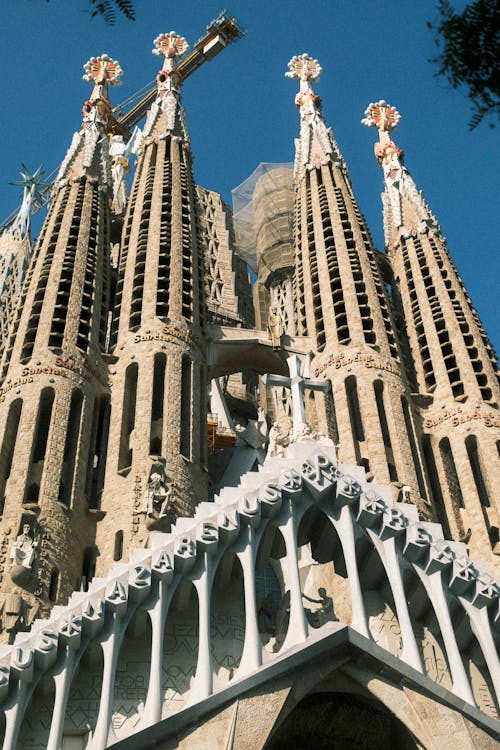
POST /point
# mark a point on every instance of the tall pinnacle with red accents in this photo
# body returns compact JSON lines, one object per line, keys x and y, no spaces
{"x":342,"y":304}
{"x":455,"y":364}
{"x":55,"y":381}
{"x":316,"y":144}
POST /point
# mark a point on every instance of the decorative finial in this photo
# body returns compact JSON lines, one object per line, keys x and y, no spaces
{"x":170,"y":45}
{"x":101,"y":70}
{"x":382,"y":116}
{"x":33,"y":186}
{"x":304,"y":68}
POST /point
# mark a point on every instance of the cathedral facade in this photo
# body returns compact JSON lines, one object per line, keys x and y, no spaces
{"x":242,"y":517}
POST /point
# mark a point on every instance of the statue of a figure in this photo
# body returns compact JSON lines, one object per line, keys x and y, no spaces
{"x":325,"y":612}
{"x":22,"y":551}
{"x":158,"y":496}
{"x":275,"y":327}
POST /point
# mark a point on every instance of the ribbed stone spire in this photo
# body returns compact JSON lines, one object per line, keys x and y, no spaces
{"x":166,"y":116}
{"x":88,"y":154}
{"x":455,"y":364}
{"x":316,"y":144}
{"x":405,"y":209}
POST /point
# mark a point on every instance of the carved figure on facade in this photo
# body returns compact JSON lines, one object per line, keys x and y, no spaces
{"x":275,"y":326}
{"x":159,"y":496}
{"x":23,"y":550}
{"x":324,"y":613}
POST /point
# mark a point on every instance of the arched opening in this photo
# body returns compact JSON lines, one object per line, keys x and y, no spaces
{"x":474,"y":661}
{"x":38,"y":715}
{"x":158,"y":397}
{"x":70,"y":448}
{"x":378,"y":599}
{"x":435,"y":485}
{"x":98,"y":450}
{"x":357,"y":429}
{"x":227,"y":631}
{"x":8,"y":447}
{"x":322,"y":570}
{"x":477,"y":470}
{"x":128,"y":416}
{"x":271,"y":590}
{"x":426,"y":630}
{"x":132,"y":675}
{"x":186,"y":387}
{"x":342,"y":721}
{"x":85,"y":693}
{"x":54,"y":585}
{"x":88,"y":567}
{"x":39,"y":446}
{"x":180,"y":648}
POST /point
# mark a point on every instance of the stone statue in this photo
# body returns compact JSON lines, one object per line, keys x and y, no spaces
{"x":325,"y":611}
{"x":275,"y":327}
{"x":22,"y":551}
{"x":158,"y":496}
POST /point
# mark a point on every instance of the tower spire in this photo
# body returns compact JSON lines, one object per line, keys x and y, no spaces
{"x":88,"y":153}
{"x":405,"y":209}
{"x":168,"y":82}
{"x":316,"y":144}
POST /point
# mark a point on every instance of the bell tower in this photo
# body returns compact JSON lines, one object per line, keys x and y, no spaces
{"x":342,"y":305}
{"x":55,"y":382}
{"x":157,"y":449}
{"x":456,"y":368}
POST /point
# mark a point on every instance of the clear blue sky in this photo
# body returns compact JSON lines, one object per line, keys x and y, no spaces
{"x":240,"y":107}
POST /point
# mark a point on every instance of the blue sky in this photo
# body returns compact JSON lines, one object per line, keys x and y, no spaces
{"x":240,"y":107}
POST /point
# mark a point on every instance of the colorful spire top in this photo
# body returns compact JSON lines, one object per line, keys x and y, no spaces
{"x":304,"y":68}
{"x":382,"y":116}
{"x":316,"y":145}
{"x":170,"y":45}
{"x":405,"y":210}
{"x":102,"y":70}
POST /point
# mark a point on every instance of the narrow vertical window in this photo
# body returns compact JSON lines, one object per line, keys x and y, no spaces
{"x":118,"y":550}
{"x":70,"y":447}
{"x":39,"y":447}
{"x":354,"y":410}
{"x":156,"y":435}
{"x":477,"y":472}
{"x":378,"y":388}
{"x":435,"y":486}
{"x":53,"y":585}
{"x":128,"y":416}
{"x":203,"y":415}
{"x":9,"y":444}
{"x":88,"y":567}
{"x":413,"y":447}
{"x":98,"y":450}
{"x":450,"y":471}
{"x":185,"y":444}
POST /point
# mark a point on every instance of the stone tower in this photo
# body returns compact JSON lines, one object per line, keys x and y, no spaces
{"x":342,"y":306}
{"x":55,"y":383}
{"x":15,"y":251}
{"x":157,"y":440}
{"x":457,"y":372}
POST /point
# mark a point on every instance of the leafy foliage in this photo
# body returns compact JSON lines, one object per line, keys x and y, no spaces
{"x":107,"y":9}
{"x":469,"y":45}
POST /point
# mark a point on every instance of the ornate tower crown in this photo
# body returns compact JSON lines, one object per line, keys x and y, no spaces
{"x":101,"y":71}
{"x":304,"y":68}
{"x":382,"y":116}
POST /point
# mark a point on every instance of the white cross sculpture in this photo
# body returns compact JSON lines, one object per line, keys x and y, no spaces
{"x":297,"y":385}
